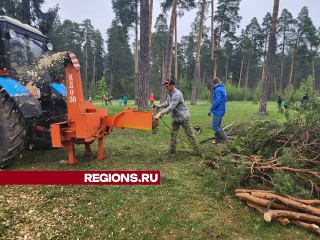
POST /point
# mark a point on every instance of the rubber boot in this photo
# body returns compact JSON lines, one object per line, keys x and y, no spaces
{"x":217,"y":139}
{"x":223,"y":136}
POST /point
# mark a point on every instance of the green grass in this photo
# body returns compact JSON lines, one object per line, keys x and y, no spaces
{"x":191,"y":202}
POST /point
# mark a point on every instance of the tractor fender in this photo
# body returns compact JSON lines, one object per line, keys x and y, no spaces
{"x":59,"y":90}
{"x":28,"y":105}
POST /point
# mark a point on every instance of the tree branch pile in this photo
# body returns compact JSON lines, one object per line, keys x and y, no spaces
{"x":290,"y":152}
{"x":286,"y":210}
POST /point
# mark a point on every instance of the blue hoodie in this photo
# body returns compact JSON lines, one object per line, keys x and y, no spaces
{"x":220,"y":95}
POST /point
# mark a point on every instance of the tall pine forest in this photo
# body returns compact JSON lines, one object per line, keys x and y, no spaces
{"x":111,"y":61}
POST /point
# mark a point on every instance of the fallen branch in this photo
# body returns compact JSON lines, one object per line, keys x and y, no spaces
{"x":308,"y":202}
{"x":310,"y":226}
{"x":274,"y":214}
{"x":260,"y":201}
{"x":288,"y":202}
{"x":282,"y":220}
{"x":241,"y":190}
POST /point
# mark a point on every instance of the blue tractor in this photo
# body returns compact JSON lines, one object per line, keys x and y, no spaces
{"x":27,"y":107}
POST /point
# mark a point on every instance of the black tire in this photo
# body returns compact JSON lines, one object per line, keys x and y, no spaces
{"x":12,"y":131}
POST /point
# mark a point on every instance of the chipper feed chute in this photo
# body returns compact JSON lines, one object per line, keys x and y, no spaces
{"x":85,"y":122}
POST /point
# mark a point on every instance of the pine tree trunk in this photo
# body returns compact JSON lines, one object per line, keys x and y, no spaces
{"x":227,"y":66}
{"x":143,"y":82}
{"x":264,"y":58}
{"x":247,"y":79}
{"x":269,"y":61}
{"x":212,"y":41}
{"x":136,"y":65}
{"x":240,"y":75}
{"x":196,"y":76}
{"x":282,"y":60}
{"x":293,"y":58}
{"x":86,"y":75}
{"x":217,"y":58}
{"x":292,"y":65}
{"x":150,"y":26}
{"x":162,"y":98}
{"x":175,"y":50}
{"x":168,"y":54}
{"x":94,"y":69}
{"x":313,"y":78}
{"x":150,"y":35}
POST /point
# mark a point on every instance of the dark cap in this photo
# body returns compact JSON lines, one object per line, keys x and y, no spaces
{"x":169,"y":82}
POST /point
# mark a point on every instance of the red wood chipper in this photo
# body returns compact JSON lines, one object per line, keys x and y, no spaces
{"x":85,"y":123}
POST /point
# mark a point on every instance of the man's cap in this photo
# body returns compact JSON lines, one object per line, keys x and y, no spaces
{"x":169,"y":82}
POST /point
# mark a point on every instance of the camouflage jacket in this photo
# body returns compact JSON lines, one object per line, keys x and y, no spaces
{"x":176,"y":106}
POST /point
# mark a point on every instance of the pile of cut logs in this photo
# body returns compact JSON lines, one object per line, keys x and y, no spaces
{"x":304,"y":213}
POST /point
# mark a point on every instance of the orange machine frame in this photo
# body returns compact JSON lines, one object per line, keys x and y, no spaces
{"x":86,"y":123}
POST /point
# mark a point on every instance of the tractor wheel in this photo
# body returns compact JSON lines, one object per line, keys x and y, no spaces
{"x":12,"y":131}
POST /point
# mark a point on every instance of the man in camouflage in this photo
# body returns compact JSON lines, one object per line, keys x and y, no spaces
{"x":180,"y":116}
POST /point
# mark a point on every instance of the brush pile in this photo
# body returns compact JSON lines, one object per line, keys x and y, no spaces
{"x":285,"y":159}
{"x":286,"y":210}
{"x":283,"y":156}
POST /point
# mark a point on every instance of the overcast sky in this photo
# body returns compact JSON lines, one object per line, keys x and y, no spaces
{"x":100,"y":12}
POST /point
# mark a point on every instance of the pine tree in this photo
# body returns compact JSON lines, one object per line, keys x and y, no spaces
{"x":269,"y":61}
{"x":30,"y":12}
{"x":120,"y":61}
{"x":228,"y":20}
{"x":286,"y":31}
{"x":143,"y":83}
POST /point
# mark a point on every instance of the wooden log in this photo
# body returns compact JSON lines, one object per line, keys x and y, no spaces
{"x":283,"y":221}
{"x":310,"y":226}
{"x":272,"y":214}
{"x":258,"y":207}
{"x":308,"y":202}
{"x":240,"y":190}
{"x":260,"y":201}
{"x":288,"y":202}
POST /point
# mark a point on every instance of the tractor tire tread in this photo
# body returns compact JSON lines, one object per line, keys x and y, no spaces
{"x":12,"y":128}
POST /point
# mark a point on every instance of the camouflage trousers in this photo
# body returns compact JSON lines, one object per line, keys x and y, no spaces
{"x":186,"y":125}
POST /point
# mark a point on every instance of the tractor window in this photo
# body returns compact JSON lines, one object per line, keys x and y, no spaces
{"x":24,"y":52}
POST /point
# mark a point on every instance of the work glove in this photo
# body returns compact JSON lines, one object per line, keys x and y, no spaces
{"x":209,"y":114}
{"x":158,"y":115}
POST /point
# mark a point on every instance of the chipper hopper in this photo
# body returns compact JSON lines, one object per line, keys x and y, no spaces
{"x":85,"y":123}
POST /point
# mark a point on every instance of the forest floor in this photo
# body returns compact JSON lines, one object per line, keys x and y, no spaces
{"x":188,"y":204}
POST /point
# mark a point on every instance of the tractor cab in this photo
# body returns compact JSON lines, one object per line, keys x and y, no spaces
{"x":31,"y":97}
{"x":20,"y":46}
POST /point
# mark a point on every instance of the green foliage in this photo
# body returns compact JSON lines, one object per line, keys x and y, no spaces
{"x":92,"y":91}
{"x":256,"y":93}
{"x":257,"y":139}
{"x":30,"y":12}
{"x":101,"y":89}
{"x":204,"y":93}
{"x":234,"y":93}
{"x":290,"y":145}
{"x":295,"y":109}
{"x":288,"y":184}
{"x":119,"y":61}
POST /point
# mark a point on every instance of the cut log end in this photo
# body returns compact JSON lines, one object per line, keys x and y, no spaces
{"x":267,"y":217}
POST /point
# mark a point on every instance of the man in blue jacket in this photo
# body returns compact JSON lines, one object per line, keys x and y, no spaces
{"x":218,"y":109}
